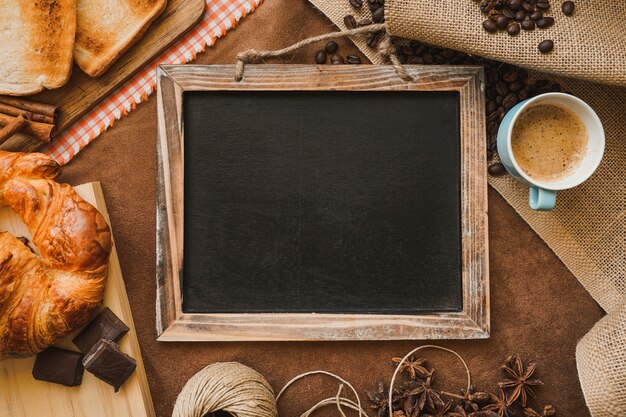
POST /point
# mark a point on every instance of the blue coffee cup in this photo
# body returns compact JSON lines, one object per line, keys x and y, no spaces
{"x":542,"y":194}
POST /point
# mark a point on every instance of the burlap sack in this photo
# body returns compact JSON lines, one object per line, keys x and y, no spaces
{"x":590,"y":45}
{"x":601,"y":365}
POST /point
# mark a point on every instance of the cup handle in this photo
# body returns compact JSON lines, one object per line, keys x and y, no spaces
{"x":540,"y":199}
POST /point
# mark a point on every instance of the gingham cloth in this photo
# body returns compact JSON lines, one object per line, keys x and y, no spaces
{"x":219,"y":17}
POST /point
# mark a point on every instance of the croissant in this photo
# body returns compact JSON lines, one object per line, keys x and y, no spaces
{"x":46,"y":296}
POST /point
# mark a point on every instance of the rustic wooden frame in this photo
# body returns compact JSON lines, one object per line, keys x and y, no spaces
{"x":175,"y":325}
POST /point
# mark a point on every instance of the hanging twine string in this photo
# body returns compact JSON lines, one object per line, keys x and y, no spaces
{"x":385,"y":48}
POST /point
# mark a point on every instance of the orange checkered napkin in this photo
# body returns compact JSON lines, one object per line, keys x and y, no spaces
{"x":219,"y":17}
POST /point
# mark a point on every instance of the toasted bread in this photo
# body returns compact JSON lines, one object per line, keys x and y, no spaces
{"x":36,"y":44}
{"x":108,"y":28}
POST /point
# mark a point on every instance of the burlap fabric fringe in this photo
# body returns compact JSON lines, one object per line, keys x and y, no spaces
{"x":385,"y":49}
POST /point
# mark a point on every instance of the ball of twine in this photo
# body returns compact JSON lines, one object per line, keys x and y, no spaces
{"x":226,"y":386}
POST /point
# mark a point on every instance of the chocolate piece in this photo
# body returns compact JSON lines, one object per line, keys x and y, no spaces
{"x":106,"y":325}
{"x":59,"y":366}
{"x":108,"y":363}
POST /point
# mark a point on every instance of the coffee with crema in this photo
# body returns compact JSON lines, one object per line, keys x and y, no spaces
{"x":549,"y":142}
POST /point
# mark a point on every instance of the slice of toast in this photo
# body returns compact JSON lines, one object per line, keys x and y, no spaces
{"x":108,"y":28}
{"x":36,"y":44}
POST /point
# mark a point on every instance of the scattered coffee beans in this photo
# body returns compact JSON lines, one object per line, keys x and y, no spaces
{"x":568,"y":8}
{"x":517,"y":15}
{"x":490,"y":26}
{"x":497,"y":169}
{"x":331,"y":47}
{"x":336,"y":59}
{"x":320,"y":57}
{"x":546,"y":46}
{"x":513,"y":29}
{"x":378,"y":15}
{"x":349,"y":21}
{"x":353,"y":59}
{"x":545,"y":22}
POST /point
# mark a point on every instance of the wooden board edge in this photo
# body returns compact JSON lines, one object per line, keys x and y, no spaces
{"x":114,"y":264}
{"x":468,"y":80}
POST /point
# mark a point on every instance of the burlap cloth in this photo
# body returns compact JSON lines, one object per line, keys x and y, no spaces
{"x":587,"y":229}
{"x":589,"y":45}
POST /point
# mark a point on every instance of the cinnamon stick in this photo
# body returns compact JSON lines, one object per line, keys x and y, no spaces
{"x":42,"y":131}
{"x":15,"y":111}
{"x":13,"y":127}
{"x":31,"y":106}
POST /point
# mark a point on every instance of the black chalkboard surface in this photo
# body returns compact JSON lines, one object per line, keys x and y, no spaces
{"x":322,"y":201}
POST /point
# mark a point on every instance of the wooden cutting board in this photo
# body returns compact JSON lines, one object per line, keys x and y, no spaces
{"x":22,"y":396}
{"x":82,"y":92}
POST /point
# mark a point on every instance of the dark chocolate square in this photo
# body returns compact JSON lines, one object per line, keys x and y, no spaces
{"x":106,"y":325}
{"x":59,"y":366}
{"x":108,"y":363}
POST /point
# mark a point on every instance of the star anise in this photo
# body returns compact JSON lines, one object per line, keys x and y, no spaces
{"x":520,"y":381}
{"x":407,"y":396}
{"x":440,"y":410}
{"x":429,"y":397}
{"x":379,"y":399}
{"x":502,"y":405}
{"x":548,"y":411}
{"x":461,"y":412}
{"x":413,"y":367}
{"x":469,"y":398}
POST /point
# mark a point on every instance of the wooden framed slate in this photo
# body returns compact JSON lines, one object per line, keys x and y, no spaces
{"x":321,"y":203}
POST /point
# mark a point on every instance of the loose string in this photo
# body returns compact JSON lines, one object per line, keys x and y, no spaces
{"x":397,"y":370}
{"x":385,"y":48}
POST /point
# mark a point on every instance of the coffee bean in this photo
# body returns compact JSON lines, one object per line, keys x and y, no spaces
{"x":546,"y":46}
{"x":407,"y":50}
{"x":485,"y":7}
{"x":508,"y":13}
{"x":415,"y":60}
{"x":502,"y":88}
{"x":509,"y":76}
{"x":522,"y":94}
{"x":353,"y":59}
{"x":357,"y":4}
{"x":489,"y":154}
{"x":494,"y":15}
{"x":490,"y":26}
{"x":536,"y":15}
{"x":568,"y":8}
{"x":499,"y":100}
{"x":493,"y":116}
{"x":373,"y":39}
{"x":527,"y":7}
{"x":336,"y":59}
{"x":545,"y":22}
{"x":516,"y":86}
{"x":349,"y":21}
{"x":509,"y":101}
{"x":331,"y":47}
{"x":520,"y":15}
{"x":515,"y":4}
{"x":543,"y":5}
{"x":320,"y":57}
{"x":439,"y":59}
{"x":513,"y":29}
{"x":379,"y":15}
{"x":502,"y":22}
{"x":491,"y":106}
{"x":528,"y":25}
{"x":364,"y":22}
{"x":428,"y":58}
{"x":420,"y":49}
{"x":497,"y":170}
{"x":492,"y":127}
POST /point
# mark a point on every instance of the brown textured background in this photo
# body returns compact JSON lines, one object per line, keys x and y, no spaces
{"x":538,"y":308}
